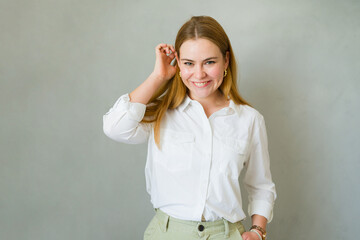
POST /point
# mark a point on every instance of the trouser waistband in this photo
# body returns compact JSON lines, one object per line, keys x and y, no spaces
{"x":198,"y":227}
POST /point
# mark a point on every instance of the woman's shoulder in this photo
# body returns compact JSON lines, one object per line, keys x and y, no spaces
{"x":245,"y":110}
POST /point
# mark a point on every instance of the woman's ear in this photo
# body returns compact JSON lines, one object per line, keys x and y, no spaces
{"x":177,"y":58}
{"x":227,"y":59}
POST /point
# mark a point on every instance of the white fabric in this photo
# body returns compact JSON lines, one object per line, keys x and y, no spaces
{"x":196,"y":171}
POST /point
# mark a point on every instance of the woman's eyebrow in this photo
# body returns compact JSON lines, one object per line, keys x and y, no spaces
{"x":185,"y":59}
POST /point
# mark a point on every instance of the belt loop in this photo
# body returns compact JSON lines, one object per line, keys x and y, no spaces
{"x":227,"y":232}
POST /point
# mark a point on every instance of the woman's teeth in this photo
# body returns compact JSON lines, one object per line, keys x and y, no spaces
{"x":200,"y":84}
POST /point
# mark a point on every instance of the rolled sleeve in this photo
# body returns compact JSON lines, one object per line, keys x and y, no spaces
{"x":135,"y":111}
{"x":258,"y":180}
{"x":122,"y":122}
{"x":262,"y":208}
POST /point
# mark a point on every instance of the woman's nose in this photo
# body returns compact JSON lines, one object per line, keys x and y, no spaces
{"x":199,"y":72}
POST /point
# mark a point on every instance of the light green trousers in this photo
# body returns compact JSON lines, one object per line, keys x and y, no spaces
{"x":164,"y":227}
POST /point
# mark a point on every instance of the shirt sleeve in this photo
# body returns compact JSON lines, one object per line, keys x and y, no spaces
{"x":122,"y":122}
{"x":257,"y":179}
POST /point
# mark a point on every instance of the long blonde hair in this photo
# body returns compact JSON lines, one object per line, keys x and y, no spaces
{"x":173,"y":92}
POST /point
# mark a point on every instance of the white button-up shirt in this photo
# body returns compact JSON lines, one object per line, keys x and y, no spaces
{"x":196,"y":171}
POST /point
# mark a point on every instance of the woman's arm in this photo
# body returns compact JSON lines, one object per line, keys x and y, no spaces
{"x":122,"y":122}
{"x":259,"y":220}
{"x":163,"y":71}
{"x":258,"y":181}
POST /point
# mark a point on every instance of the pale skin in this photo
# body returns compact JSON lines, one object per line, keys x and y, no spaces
{"x":202,"y":66}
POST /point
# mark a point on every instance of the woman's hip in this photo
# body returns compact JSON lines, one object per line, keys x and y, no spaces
{"x":164,"y":227}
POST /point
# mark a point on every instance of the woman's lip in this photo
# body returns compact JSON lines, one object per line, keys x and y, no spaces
{"x":201,"y":86}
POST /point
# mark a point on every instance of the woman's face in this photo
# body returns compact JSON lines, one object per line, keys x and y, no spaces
{"x":202,"y":68}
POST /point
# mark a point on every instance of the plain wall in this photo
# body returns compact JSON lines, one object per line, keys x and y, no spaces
{"x":63,"y":64}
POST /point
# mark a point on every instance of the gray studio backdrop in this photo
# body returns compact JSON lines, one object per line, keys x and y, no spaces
{"x":63,"y":64}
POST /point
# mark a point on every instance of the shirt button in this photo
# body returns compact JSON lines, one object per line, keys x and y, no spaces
{"x":201,"y":228}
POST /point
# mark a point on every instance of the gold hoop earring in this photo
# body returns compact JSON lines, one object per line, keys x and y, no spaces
{"x":225,"y":73}
{"x":180,"y":74}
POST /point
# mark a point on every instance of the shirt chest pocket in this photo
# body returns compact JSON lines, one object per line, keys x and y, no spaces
{"x":176,"y":151}
{"x":233,"y":152}
{"x":236,"y":145}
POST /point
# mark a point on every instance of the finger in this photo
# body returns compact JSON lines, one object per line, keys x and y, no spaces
{"x":172,"y":48}
{"x":171,"y":55}
{"x":163,"y":48}
{"x":162,"y":52}
{"x":170,"y":58}
{"x":161,"y":45}
{"x":159,"y":48}
{"x":166,"y":50}
{"x":169,"y":52}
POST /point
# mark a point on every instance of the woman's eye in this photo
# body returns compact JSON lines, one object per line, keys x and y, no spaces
{"x":210,"y":62}
{"x":188,"y":63}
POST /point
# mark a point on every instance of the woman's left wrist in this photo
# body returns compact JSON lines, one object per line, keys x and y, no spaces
{"x":257,"y":229}
{"x":257,"y":233}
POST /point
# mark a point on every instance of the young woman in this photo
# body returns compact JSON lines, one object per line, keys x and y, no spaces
{"x":201,"y":134}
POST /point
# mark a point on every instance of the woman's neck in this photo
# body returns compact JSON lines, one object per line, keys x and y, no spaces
{"x":213,"y":103}
{"x":215,"y":100}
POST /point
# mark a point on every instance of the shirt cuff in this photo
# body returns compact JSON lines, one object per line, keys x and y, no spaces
{"x":262,"y":208}
{"x":135,"y":111}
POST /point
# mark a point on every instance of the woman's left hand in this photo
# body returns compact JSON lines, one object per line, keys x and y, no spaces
{"x":250,"y":236}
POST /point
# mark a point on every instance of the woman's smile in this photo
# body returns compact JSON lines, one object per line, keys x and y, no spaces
{"x":202,"y":68}
{"x":201,"y":84}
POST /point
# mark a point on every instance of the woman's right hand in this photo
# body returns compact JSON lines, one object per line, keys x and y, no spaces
{"x":163,"y":69}
{"x":163,"y":72}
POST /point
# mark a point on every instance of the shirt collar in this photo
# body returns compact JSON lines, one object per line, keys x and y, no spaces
{"x":233,"y":108}
{"x":230,"y":109}
{"x":185,"y":103}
